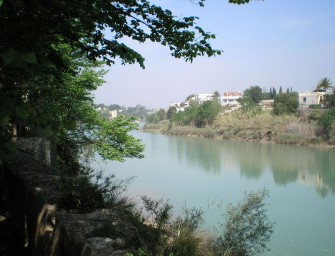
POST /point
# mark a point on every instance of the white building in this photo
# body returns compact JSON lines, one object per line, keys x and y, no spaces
{"x":199,"y":98}
{"x":202,"y":97}
{"x":112,"y":114}
{"x":230,"y":98}
{"x":267,"y":104}
{"x":180,"y":106}
{"x":309,"y":98}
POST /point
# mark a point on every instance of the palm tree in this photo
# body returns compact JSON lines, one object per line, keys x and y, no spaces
{"x":324,"y":84}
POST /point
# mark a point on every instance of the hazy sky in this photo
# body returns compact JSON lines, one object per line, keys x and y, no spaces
{"x":288,"y":43}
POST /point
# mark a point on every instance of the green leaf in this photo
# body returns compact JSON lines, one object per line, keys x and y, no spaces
{"x":21,"y":111}
{"x":6,"y":100}
{"x":9,"y":56}
{"x":9,"y":147}
{"x":1,"y":2}
{"x":7,"y":109}
{"x":18,"y":59}
{"x":4,"y":120}
{"x":29,"y":58}
{"x":70,"y":125}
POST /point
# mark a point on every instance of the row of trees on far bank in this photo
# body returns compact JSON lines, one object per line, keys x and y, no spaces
{"x":196,"y":114}
{"x":284,"y":103}
{"x":204,"y":114}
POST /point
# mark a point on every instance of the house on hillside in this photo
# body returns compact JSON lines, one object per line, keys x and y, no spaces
{"x":267,"y":104}
{"x":310,"y":98}
{"x":180,"y":106}
{"x":112,"y":114}
{"x":202,"y":97}
{"x":230,"y":98}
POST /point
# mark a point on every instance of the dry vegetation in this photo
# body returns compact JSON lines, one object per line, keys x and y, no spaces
{"x":262,"y":127}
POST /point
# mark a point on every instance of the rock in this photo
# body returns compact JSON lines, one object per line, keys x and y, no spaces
{"x":100,"y":246}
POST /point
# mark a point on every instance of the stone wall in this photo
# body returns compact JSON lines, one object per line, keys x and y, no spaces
{"x":32,"y":190}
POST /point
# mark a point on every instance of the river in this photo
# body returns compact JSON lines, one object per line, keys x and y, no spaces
{"x":207,"y":173}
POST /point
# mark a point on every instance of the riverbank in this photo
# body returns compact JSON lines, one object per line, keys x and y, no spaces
{"x":263,"y":128}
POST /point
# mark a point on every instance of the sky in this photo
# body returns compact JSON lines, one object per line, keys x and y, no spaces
{"x":268,"y":43}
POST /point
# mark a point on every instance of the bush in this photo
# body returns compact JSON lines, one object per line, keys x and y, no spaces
{"x":285,"y":103}
{"x":183,"y":237}
{"x":247,"y":228}
{"x":327,"y":118}
{"x":90,"y":191}
{"x":315,"y":115}
{"x":315,"y":106}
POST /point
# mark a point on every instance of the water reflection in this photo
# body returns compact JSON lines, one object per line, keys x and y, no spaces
{"x":288,"y":164}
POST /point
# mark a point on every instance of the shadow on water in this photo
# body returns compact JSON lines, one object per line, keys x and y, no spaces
{"x":288,"y":164}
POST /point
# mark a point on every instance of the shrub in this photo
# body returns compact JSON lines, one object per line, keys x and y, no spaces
{"x":285,"y":103}
{"x":327,"y":118}
{"x":183,"y":237}
{"x":315,"y":115}
{"x":90,"y":190}
{"x":247,"y":228}
{"x":315,"y":106}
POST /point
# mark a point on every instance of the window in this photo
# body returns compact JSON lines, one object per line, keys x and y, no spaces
{"x":304,"y":99}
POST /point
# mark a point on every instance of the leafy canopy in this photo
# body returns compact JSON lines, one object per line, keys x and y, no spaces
{"x":323,"y":85}
{"x":96,"y":28}
{"x":50,"y":53}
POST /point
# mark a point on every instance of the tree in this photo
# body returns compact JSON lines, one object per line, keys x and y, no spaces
{"x":69,"y":119}
{"x":171,"y":113}
{"x":327,"y":119}
{"x":190,"y":115}
{"x":251,"y":97}
{"x":207,"y":112}
{"x":254,"y":92}
{"x":138,"y":111}
{"x":157,"y":116}
{"x":286,"y":103}
{"x":247,"y":228}
{"x":161,"y":114}
{"x":280,"y":90}
{"x":189,"y":97}
{"x":246,"y":103}
{"x":82,"y":24}
{"x":274,"y":92}
{"x":329,"y":100}
{"x":49,"y":52}
{"x":239,"y":1}
{"x":265,"y":94}
{"x":216,"y":95}
{"x":217,"y":101}
{"x":323,"y":85}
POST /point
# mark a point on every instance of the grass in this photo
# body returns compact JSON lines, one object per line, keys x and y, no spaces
{"x":190,"y":131}
{"x":156,"y":127}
